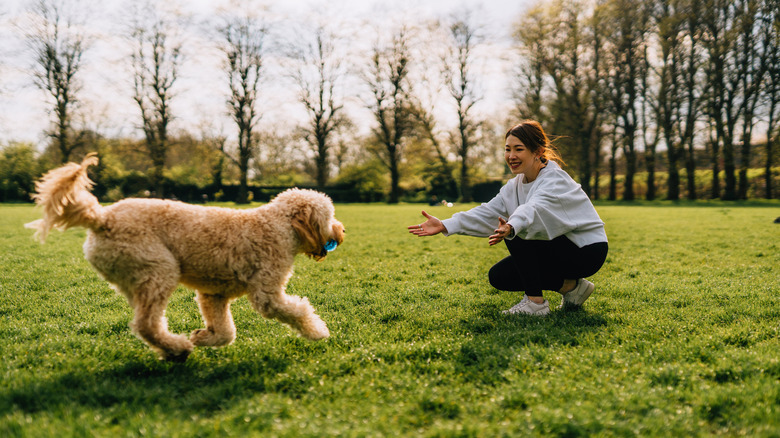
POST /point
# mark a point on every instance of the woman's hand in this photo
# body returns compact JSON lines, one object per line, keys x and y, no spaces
{"x":503,"y":230}
{"x":430,"y":227}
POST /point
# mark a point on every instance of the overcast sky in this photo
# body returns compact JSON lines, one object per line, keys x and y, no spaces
{"x":106,"y":100}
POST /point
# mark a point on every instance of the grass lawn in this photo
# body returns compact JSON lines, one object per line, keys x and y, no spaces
{"x":681,"y":338}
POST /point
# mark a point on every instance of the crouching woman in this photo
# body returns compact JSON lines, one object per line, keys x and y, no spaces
{"x":554,"y":235}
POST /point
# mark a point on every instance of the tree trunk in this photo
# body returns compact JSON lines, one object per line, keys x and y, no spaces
{"x":730,"y":189}
{"x":243,"y":183}
{"x":743,"y":171}
{"x":613,"y":175}
{"x":465,"y":184}
{"x":596,"y":174}
{"x":245,"y":154}
{"x":690,"y":168}
{"x":395,"y":178}
{"x":630,"y":155}
{"x":673,"y":183}
{"x":768,"y":166}
{"x":585,"y":169}
{"x":322,"y":162}
{"x":715,"y":170}
{"x":650,"y":166}
{"x":744,"y":165}
{"x":243,"y":189}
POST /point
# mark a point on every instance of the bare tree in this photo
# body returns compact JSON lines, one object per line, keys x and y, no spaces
{"x":156,"y":59}
{"x":244,"y":39}
{"x":614,"y":146}
{"x":669,"y":16}
{"x":439,"y":169}
{"x":533,"y":34}
{"x":650,"y":132}
{"x":58,"y":46}
{"x":428,"y":127}
{"x":215,"y":139}
{"x":317,"y":74}
{"x":593,"y":129}
{"x":723,"y":83}
{"x":461,"y":85}
{"x":627,"y":42}
{"x":753,"y":59}
{"x":391,"y":105}
{"x":280,"y":161}
{"x":692,"y":100}
{"x":772,"y":88}
{"x":346,"y":149}
{"x":564,"y":48}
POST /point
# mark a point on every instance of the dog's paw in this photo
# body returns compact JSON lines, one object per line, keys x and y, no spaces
{"x":316,"y":330}
{"x":177,"y":351}
{"x":201,"y":337}
{"x":208,"y":338}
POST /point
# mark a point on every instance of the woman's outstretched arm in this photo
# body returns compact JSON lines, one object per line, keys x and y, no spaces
{"x":430,"y":227}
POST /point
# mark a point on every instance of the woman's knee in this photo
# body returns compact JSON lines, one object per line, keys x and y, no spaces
{"x":493,"y":277}
{"x":504,"y":276}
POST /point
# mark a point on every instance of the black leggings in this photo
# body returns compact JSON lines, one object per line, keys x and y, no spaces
{"x":536,"y":265}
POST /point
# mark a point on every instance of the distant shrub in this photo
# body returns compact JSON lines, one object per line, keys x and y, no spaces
{"x":361,"y":183}
{"x":18,"y":172}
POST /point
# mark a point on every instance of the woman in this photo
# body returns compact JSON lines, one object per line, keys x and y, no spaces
{"x":554,"y":235}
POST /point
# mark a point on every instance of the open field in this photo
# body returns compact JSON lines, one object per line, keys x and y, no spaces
{"x":681,"y":338}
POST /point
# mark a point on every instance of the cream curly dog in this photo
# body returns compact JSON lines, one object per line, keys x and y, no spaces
{"x":146,"y":247}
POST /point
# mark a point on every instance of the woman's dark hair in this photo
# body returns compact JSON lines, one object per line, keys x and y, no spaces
{"x":531,"y":134}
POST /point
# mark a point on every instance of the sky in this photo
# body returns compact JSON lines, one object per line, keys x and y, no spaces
{"x":105,"y":99}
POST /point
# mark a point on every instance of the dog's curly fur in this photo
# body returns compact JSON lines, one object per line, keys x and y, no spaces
{"x":146,"y":247}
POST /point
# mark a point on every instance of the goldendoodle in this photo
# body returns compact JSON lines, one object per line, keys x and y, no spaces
{"x":146,"y":247}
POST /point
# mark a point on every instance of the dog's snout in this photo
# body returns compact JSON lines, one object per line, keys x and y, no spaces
{"x":338,"y":230}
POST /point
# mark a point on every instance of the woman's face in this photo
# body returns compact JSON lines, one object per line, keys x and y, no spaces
{"x":519,"y":158}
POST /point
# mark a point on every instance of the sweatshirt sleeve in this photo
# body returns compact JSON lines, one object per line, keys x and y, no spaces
{"x":556,"y":207}
{"x":480,"y":221}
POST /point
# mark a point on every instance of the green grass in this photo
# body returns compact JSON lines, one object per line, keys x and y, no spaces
{"x":681,"y":338}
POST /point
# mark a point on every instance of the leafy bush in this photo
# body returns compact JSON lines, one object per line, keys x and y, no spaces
{"x":18,"y":172}
{"x":364,"y":182}
{"x":703,"y":182}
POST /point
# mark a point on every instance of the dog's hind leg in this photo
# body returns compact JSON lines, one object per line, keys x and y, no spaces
{"x":291,"y":310}
{"x":149,"y":323}
{"x":220,"y":329}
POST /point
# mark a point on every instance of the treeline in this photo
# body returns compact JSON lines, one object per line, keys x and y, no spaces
{"x":631,"y":82}
{"x":196,"y":172}
{"x":646,"y":99}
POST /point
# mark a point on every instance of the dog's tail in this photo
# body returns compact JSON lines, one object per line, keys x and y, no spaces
{"x":64,"y":196}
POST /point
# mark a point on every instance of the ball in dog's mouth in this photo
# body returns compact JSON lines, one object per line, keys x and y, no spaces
{"x":331,"y":245}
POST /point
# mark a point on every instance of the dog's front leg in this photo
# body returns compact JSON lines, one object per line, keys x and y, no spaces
{"x":291,"y":310}
{"x":220,"y":329}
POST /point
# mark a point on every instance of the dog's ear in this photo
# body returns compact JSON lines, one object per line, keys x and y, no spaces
{"x":306,"y":223}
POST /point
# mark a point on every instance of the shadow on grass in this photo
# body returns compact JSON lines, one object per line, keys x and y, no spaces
{"x":496,"y":339}
{"x":203,"y":388}
{"x":189,"y":388}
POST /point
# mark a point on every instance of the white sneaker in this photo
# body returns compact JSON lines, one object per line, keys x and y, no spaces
{"x":528,"y":307}
{"x":578,"y":295}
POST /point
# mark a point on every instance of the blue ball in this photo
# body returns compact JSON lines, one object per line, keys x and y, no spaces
{"x":331,"y":245}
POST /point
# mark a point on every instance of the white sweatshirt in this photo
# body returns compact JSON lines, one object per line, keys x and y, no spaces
{"x":550,"y":206}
